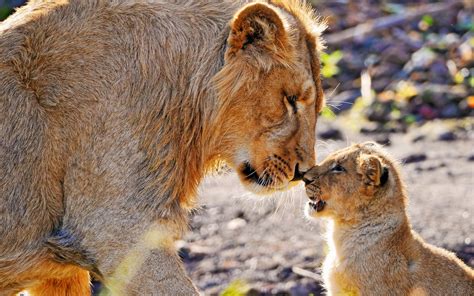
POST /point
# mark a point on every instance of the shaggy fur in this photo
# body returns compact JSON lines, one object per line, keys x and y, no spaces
{"x":373,"y":249}
{"x":111,"y":112}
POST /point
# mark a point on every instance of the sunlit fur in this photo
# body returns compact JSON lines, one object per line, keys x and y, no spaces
{"x":256,"y":107}
{"x":373,"y":249}
{"x":111,"y":112}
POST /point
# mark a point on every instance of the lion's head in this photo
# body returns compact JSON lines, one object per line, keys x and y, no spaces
{"x":354,"y":183}
{"x":270,"y":93}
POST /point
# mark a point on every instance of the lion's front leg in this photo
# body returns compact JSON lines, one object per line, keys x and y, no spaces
{"x":159,"y":272}
{"x":150,"y":266}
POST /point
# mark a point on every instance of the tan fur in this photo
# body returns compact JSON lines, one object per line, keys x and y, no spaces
{"x":70,"y":281}
{"x":373,"y":249}
{"x":111,"y":112}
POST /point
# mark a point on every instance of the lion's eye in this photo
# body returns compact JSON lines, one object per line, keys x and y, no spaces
{"x":337,"y":168}
{"x":292,"y":100}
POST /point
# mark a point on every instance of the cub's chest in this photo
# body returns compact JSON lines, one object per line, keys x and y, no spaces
{"x":344,"y":285}
{"x":338,"y":279}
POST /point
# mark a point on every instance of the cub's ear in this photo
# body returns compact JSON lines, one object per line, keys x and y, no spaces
{"x":257,"y":26}
{"x":374,"y":175}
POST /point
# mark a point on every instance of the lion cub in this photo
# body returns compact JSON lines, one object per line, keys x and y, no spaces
{"x":373,"y":249}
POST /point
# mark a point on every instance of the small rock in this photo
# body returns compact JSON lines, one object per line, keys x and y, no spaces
{"x":448,"y":41}
{"x":438,"y":99}
{"x":285,"y":273}
{"x":187,"y":254}
{"x":372,"y":60}
{"x":418,"y":138}
{"x":419,"y":76}
{"x":386,"y":96}
{"x":379,"y":112}
{"x":208,"y":284}
{"x":366,"y":130}
{"x":281,"y":293}
{"x":466,"y":52}
{"x":416,"y":157}
{"x":466,"y":108}
{"x":450,"y":111}
{"x":240,"y":214}
{"x":352,"y":61}
{"x":379,"y":84}
{"x":299,"y":290}
{"x":447,"y":136}
{"x":375,"y":128}
{"x":381,"y":45}
{"x":439,"y":72}
{"x":421,"y":59}
{"x":236,"y":223}
{"x":184,"y":254}
{"x":427,"y":112}
{"x":383,"y":139}
{"x":253,"y":292}
{"x":471,"y":158}
{"x":397,"y":53}
{"x":229,"y":264}
{"x":331,"y":133}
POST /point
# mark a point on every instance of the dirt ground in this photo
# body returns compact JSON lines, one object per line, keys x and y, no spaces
{"x":269,"y":244}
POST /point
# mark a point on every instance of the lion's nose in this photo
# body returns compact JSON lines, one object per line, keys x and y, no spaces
{"x":298,"y":176}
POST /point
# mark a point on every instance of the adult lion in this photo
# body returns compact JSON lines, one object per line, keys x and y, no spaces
{"x":111,"y":112}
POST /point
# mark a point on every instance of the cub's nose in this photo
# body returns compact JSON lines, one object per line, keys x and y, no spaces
{"x":310,"y":175}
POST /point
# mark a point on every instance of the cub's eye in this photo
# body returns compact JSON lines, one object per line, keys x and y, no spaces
{"x":292,"y":100}
{"x":337,"y":168}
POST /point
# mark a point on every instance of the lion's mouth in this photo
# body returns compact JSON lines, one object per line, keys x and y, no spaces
{"x":252,"y":175}
{"x":317,"y":204}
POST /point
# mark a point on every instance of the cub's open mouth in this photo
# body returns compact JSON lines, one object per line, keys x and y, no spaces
{"x":317,"y":205}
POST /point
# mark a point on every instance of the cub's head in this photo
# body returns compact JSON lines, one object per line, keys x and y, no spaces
{"x":354,"y":183}
{"x":270,"y":93}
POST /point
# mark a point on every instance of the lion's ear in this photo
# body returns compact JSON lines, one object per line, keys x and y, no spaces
{"x":373,"y":173}
{"x":257,"y":26}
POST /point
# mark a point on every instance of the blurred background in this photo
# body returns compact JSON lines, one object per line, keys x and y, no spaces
{"x":7,"y":7}
{"x":397,"y":72}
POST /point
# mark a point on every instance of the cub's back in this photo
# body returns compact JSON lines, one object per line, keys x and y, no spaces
{"x":440,"y":272}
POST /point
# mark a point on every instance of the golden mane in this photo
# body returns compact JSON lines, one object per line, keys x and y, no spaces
{"x":304,"y":12}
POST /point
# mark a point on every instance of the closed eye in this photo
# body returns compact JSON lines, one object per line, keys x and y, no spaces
{"x":337,"y":168}
{"x":292,"y":100}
